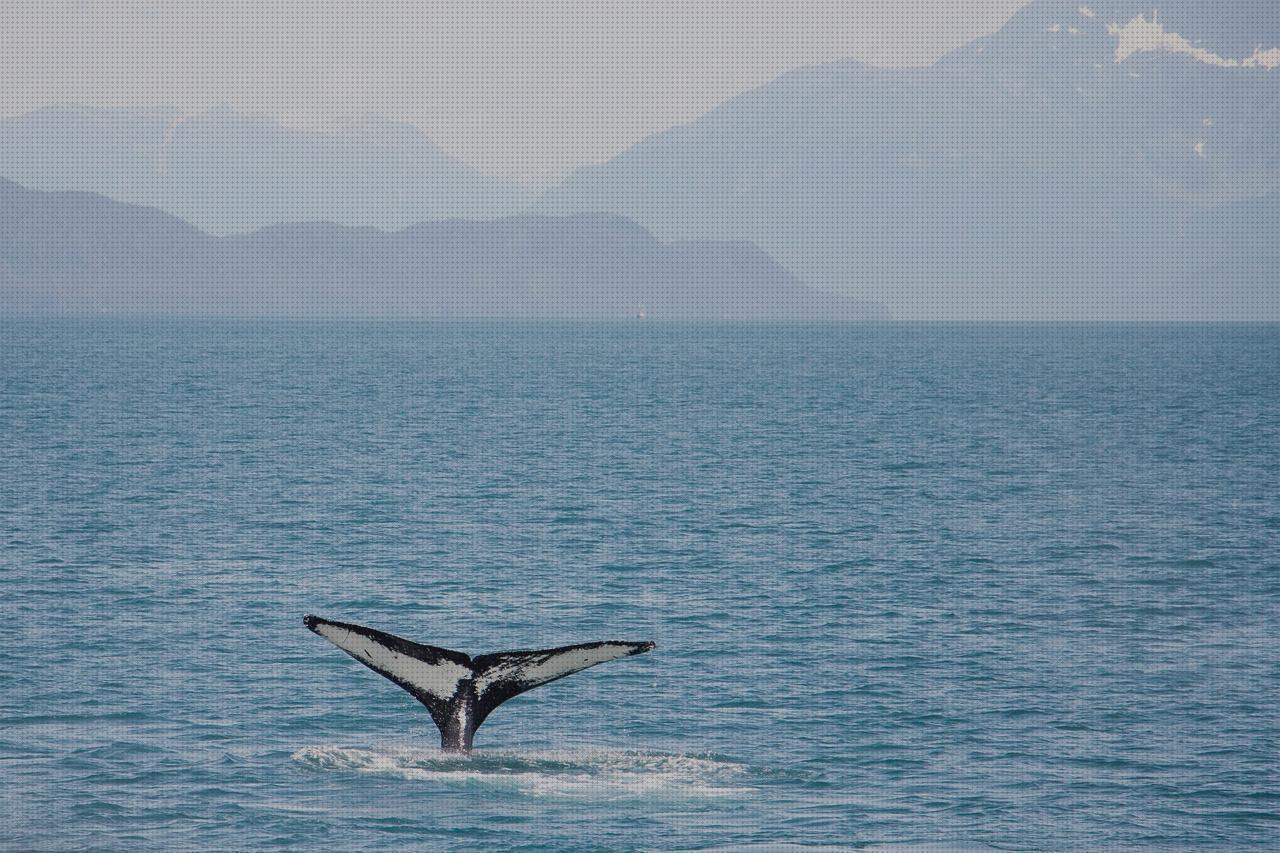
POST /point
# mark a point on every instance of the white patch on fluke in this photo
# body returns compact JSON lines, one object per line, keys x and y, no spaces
{"x":439,"y":680}
{"x":1143,"y":36}
{"x":539,"y":669}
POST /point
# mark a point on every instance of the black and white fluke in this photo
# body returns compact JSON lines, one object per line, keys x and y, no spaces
{"x":458,"y":690}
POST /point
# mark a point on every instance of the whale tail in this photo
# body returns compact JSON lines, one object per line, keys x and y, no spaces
{"x":460,"y":691}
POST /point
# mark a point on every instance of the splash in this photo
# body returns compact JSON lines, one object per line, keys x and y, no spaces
{"x":586,"y":774}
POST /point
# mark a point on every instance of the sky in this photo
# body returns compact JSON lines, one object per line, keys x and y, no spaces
{"x":523,"y":90}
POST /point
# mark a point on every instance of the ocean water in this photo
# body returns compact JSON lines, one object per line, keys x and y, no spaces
{"x":1010,"y":587}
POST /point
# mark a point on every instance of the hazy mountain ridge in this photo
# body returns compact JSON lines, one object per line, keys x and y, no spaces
{"x":1089,"y":160}
{"x":1040,"y":172}
{"x":80,"y":252}
{"x":227,"y":172}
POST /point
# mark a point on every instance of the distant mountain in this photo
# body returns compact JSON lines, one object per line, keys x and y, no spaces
{"x":1089,"y":160}
{"x":228,"y":172}
{"x":80,"y":252}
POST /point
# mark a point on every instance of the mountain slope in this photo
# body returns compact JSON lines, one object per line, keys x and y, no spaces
{"x":79,"y":252}
{"x":227,"y":172}
{"x":1083,"y":162}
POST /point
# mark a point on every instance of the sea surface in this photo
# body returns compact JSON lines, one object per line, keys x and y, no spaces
{"x":1007,"y":587}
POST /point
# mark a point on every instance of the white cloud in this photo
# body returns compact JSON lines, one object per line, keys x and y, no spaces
{"x":1087,"y":12}
{"x":1143,"y":36}
{"x":1199,"y":148}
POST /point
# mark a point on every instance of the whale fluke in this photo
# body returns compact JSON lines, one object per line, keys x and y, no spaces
{"x":458,"y":690}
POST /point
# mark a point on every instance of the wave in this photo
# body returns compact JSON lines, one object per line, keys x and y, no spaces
{"x":599,"y":774}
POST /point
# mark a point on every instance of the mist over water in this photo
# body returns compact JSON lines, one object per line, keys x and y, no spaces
{"x":1005,"y":586}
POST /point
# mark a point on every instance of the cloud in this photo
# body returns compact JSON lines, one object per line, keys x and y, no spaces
{"x":1087,"y":12}
{"x":1143,"y":36}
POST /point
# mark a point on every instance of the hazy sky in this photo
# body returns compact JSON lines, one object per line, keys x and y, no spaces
{"x":524,"y":89}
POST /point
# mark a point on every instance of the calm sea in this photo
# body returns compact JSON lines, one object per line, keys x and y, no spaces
{"x":1011,"y":587}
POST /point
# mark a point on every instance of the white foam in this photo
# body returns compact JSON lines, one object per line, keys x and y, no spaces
{"x":575,"y":774}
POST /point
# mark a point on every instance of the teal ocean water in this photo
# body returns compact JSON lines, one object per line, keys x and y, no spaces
{"x":1012,"y":587}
